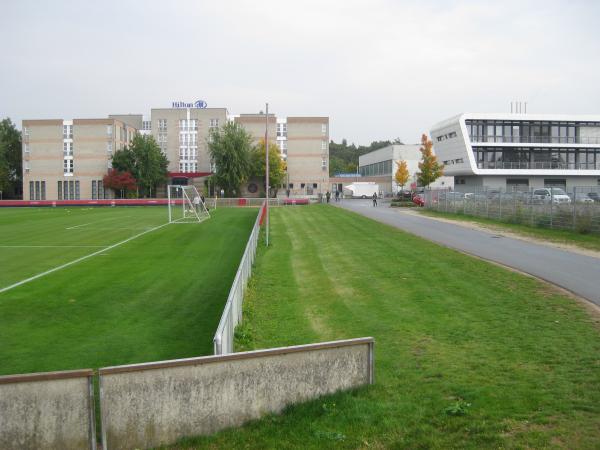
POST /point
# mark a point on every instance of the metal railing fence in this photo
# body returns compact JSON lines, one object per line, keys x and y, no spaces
{"x":236,"y":202}
{"x":576,"y":210}
{"x":232,"y":313}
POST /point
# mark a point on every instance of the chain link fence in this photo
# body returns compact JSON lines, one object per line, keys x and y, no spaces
{"x":549,"y":207}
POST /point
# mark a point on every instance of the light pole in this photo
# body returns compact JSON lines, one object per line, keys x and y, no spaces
{"x":267,"y":171}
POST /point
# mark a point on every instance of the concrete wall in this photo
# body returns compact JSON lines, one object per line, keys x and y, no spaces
{"x":148,"y":405}
{"x":47,"y":411}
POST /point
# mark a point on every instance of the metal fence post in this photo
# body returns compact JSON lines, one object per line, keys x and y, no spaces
{"x":551,"y":207}
{"x":500,"y":205}
{"x":574,"y":206}
{"x":487,"y":204}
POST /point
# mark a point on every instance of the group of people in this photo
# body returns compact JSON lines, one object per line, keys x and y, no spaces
{"x":336,"y":195}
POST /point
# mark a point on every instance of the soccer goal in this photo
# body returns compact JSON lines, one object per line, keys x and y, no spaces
{"x":186,"y":205}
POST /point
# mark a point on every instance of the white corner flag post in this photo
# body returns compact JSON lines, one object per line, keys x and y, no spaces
{"x":267,"y":171}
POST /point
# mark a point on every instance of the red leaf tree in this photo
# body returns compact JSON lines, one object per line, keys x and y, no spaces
{"x":122,"y":182}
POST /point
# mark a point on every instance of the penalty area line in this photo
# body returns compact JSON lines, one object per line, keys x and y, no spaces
{"x":78,"y":260}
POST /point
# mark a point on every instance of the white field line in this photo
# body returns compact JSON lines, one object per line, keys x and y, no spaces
{"x":77,"y":226}
{"x":51,"y":246}
{"x":78,"y":260}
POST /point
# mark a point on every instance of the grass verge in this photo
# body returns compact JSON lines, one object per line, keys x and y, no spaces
{"x":468,"y":354}
{"x":584,"y":241}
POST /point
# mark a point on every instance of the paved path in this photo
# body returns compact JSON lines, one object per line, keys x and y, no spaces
{"x":575,"y":272}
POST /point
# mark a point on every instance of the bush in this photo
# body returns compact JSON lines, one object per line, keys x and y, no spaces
{"x":402,"y":204}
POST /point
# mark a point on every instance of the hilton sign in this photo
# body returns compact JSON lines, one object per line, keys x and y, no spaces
{"x":197,"y":104}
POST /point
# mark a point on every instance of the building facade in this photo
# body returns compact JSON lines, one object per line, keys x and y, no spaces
{"x":519,"y":151}
{"x":381,"y":165}
{"x":67,"y":159}
{"x":303,"y":142}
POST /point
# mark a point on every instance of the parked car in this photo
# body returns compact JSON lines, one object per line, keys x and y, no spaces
{"x":419,"y":199}
{"x":555,"y":195}
{"x":451,"y":196}
{"x":583,"y":197}
{"x":594,"y":196}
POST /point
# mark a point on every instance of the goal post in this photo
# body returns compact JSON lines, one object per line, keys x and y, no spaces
{"x":186,"y":205}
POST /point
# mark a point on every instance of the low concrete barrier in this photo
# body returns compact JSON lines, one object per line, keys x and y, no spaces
{"x":153,"y":404}
{"x":53,"y":410}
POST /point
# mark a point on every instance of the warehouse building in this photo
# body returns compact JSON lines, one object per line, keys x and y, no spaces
{"x":380,"y":166}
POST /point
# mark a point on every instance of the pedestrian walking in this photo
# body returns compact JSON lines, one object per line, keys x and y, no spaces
{"x":374,"y":198}
{"x":328,"y":195}
{"x":337,"y":196}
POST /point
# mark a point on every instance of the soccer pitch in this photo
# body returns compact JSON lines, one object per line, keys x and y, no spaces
{"x":133,"y":288}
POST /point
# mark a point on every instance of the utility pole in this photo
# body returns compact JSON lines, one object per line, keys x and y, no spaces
{"x":267,"y":171}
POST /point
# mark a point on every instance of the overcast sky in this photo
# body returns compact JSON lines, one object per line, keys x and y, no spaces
{"x":379,"y":69}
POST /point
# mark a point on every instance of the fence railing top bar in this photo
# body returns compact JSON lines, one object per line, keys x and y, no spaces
{"x":44,"y":376}
{"x":233,"y":356}
{"x":225,"y":316}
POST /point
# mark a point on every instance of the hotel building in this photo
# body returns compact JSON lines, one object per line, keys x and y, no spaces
{"x":519,"y":151}
{"x":67,"y":159}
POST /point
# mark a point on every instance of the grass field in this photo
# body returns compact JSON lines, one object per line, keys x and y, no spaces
{"x":157,"y":296}
{"x":468,"y":355}
{"x":590,"y":241}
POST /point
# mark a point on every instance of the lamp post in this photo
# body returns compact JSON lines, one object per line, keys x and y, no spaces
{"x":267,"y":172}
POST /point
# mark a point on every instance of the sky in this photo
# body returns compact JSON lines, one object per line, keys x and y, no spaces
{"x":380,"y":69}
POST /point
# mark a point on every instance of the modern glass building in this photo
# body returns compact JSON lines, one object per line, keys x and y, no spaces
{"x":519,"y":150}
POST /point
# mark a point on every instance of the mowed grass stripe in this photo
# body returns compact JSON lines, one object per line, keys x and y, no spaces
{"x":468,"y":355}
{"x":159,"y":296}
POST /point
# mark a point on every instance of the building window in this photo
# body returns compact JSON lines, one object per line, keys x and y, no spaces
{"x":314,"y":185}
{"x":42,"y":190}
{"x":109,"y":130}
{"x":67,"y":149}
{"x":193,"y":125}
{"x":323,"y":145}
{"x":25,"y":131}
{"x":147,"y":125}
{"x":66,"y":190}
{"x":59,"y":190}
{"x":162,"y":125}
{"x":324,"y":128}
{"x":31,"y":191}
{"x":94,"y":190}
{"x":282,"y":130}
{"x":77,"y":190}
{"x":37,"y":190}
{"x":67,"y":131}
{"x":291,"y":186}
{"x":68,"y":166}
{"x":214,"y":123}
{"x":109,"y":147}
{"x":324,"y":163}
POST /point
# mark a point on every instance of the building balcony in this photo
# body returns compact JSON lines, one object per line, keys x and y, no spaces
{"x":538,"y":165}
{"x":536,"y":140}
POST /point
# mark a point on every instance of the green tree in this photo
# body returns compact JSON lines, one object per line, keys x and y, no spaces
{"x":276,"y":165}
{"x":230,"y":148}
{"x":144,"y":160}
{"x":11,"y":160}
{"x":402,"y":175}
{"x":429,"y":168}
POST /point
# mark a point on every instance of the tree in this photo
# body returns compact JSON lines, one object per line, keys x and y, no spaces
{"x":401,"y":176}
{"x":229,"y":148}
{"x":11,"y":160}
{"x":276,"y":164}
{"x":122,"y":182}
{"x":429,"y":168}
{"x":144,"y":160}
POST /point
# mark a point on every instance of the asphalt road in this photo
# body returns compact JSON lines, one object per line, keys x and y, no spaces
{"x":575,"y":272}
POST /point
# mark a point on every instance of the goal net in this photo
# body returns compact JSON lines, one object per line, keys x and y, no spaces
{"x":186,"y":205}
